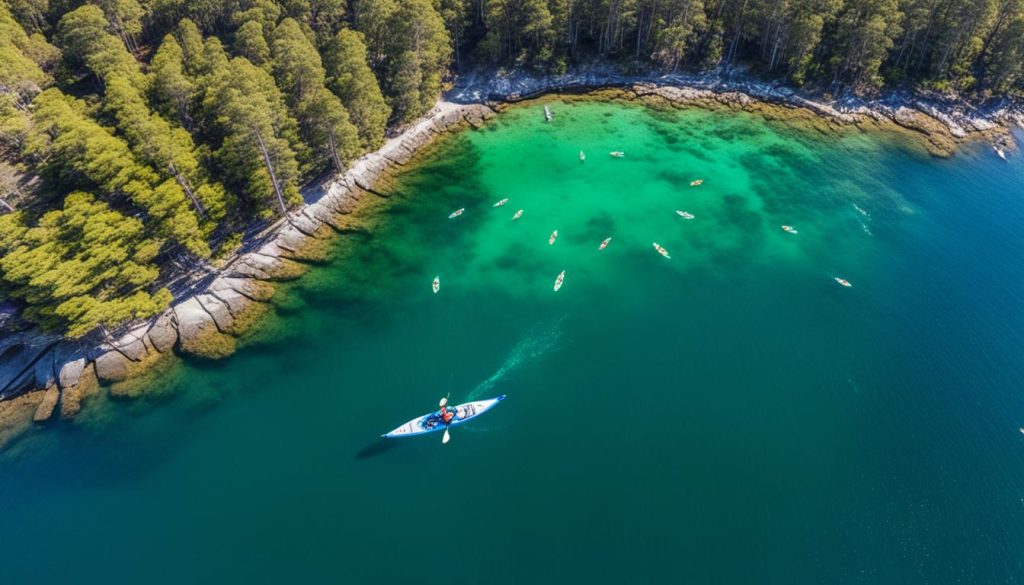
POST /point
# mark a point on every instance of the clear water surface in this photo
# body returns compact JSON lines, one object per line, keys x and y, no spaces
{"x":731,"y":415}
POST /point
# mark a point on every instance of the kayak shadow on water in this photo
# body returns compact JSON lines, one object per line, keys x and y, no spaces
{"x":381,"y":446}
{"x":375,"y":448}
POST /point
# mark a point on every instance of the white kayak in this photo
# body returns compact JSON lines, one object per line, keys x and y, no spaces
{"x":684,"y":214}
{"x":583,"y":157}
{"x":437,"y":284}
{"x":431,"y":422}
{"x":604,"y":244}
{"x":697,"y":183}
{"x":661,"y":250}
{"x":547,"y":113}
{"x":554,"y":236}
{"x":789,"y":229}
{"x":517,"y":215}
{"x":617,"y":153}
{"x":500,"y":203}
{"x":999,"y":151}
{"x":843,"y":282}
{"x":558,"y":281}
{"x":457,"y":213}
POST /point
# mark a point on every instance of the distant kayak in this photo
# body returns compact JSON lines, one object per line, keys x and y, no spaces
{"x":517,"y":215}
{"x":547,"y":114}
{"x":583,"y":157}
{"x":685,"y":214}
{"x":457,"y":213}
{"x":437,"y":284}
{"x":999,"y":151}
{"x":697,"y":183}
{"x":500,"y":203}
{"x":661,"y":250}
{"x":617,"y":153}
{"x":429,"y":423}
{"x":789,"y":229}
{"x":604,"y":244}
{"x":843,"y":282}
{"x":558,"y":281}
{"x":554,"y":236}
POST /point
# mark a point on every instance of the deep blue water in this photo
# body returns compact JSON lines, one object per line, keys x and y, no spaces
{"x":731,"y":415}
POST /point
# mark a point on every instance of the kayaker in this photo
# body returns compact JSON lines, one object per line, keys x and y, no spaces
{"x":446,"y":415}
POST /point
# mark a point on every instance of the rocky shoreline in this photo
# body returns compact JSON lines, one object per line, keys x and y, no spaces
{"x":941,"y":123}
{"x":43,"y":376}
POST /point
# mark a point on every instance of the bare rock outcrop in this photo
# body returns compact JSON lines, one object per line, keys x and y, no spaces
{"x":198,"y":334}
{"x":70,"y":372}
{"x":256,"y":290}
{"x":258,"y":266}
{"x":19,"y":353}
{"x":164,"y":333}
{"x":112,"y":366}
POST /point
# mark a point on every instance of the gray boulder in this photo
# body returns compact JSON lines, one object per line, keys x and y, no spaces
{"x":163,"y":334}
{"x":71,"y":372}
{"x":112,"y":366}
{"x":222,"y":317}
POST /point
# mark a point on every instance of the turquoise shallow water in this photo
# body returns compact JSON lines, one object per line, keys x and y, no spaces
{"x":729,"y":415}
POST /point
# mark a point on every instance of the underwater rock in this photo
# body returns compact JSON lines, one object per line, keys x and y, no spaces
{"x":74,"y":396}
{"x":44,"y":411}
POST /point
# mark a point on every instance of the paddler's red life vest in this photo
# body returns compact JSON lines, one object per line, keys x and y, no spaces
{"x":446,"y":415}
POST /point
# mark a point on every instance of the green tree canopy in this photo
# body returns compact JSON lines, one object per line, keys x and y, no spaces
{"x":75,"y":150}
{"x":81,"y":267}
{"x":251,"y":43}
{"x":323,"y":120}
{"x":350,"y":78}
{"x":259,"y":145}
{"x":84,"y":37}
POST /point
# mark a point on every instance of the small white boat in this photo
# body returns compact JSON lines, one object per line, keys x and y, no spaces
{"x":547,"y":114}
{"x":558,"y":281}
{"x":661,"y":250}
{"x":437,"y":284}
{"x":500,"y":203}
{"x":999,"y":150}
{"x":583,"y":157}
{"x":685,"y":214}
{"x":457,"y":213}
{"x":604,"y":244}
{"x":554,"y":236}
{"x":517,"y":215}
{"x":617,"y":153}
{"x":697,"y":183}
{"x":843,"y":282}
{"x":789,"y":229}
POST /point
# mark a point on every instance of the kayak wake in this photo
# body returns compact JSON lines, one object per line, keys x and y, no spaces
{"x":538,"y":341}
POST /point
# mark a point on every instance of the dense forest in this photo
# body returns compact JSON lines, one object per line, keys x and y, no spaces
{"x":140,"y":136}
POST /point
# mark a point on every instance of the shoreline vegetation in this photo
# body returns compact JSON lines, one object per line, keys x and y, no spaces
{"x":160,"y":162}
{"x":57,"y":377}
